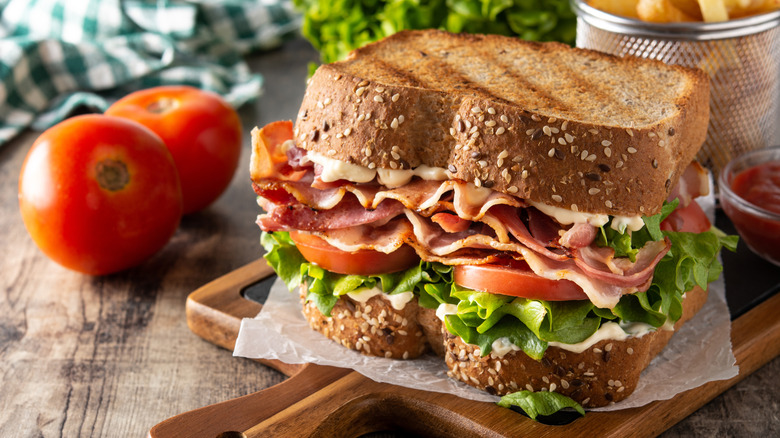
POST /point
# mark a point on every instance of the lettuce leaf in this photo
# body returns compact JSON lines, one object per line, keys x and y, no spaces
{"x":512,"y":329}
{"x":335,"y":27}
{"x":542,"y":403}
{"x":282,"y":255}
{"x":428,"y":280}
{"x":482,"y":318}
{"x":628,"y":244}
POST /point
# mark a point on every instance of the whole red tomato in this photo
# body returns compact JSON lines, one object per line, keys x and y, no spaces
{"x":200,"y":129}
{"x":99,"y":194}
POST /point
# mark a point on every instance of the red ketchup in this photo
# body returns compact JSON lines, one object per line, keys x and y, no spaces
{"x":760,"y":186}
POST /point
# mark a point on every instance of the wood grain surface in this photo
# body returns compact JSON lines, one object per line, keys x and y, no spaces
{"x":112,"y":356}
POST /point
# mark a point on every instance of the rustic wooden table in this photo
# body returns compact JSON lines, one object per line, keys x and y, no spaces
{"x":112,"y":356}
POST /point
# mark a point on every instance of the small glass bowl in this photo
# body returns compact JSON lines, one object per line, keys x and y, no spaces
{"x":759,"y":228}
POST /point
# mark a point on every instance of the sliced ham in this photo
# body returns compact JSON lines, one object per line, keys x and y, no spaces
{"x":601,"y":293}
{"x":297,"y":157}
{"x":578,"y":236}
{"x":543,"y":228}
{"x":592,"y":262}
{"x":694,"y":182}
{"x":467,"y":201}
{"x":450,"y":222}
{"x":510,"y":218}
{"x":346,"y":214}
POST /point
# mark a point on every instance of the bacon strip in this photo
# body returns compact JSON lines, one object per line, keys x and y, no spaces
{"x":451,"y":223}
{"x":601,"y":293}
{"x":578,"y":236}
{"x":346,"y":214}
{"x":419,"y":194}
{"x":592,"y":262}
{"x":694,"y":182}
{"x":509,"y":217}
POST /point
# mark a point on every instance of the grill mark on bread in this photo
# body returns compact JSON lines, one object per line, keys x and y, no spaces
{"x":400,"y":72}
{"x":549,"y":100}
{"x":444,"y":68}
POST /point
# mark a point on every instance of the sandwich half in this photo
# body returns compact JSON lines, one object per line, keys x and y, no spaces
{"x":523,"y":209}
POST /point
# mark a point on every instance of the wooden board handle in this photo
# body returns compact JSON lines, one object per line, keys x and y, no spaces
{"x":215,"y":311}
{"x":324,"y":402}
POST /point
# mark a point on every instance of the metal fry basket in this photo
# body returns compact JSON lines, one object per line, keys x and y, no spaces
{"x":741,"y":57}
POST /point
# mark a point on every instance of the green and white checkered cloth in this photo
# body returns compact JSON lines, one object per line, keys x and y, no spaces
{"x":60,"y":56}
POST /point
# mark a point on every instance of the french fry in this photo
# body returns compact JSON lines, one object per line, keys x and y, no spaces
{"x":625,"y":8}
{"x":713,"y":10}
{"x":744,"y":8}
{"x":690,"y":7}
{"x":668,"y":11}
{"x":660,"y":11}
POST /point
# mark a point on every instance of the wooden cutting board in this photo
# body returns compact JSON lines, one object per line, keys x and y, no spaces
{"x":321,"y":401}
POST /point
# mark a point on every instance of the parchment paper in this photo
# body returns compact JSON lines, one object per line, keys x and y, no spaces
{"x":698,"y":353}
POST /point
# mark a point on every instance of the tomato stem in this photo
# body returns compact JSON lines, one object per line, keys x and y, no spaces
{"x":162,"y":105}
{"x":112,"y":175}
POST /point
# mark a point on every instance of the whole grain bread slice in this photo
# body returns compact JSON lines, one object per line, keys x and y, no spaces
{"x":568,"y":127}
{"x":605,"y":373}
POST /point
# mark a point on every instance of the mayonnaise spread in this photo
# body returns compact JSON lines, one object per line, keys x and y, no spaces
{"x":398,"y":301}
{"x":333,"y":170}
{"x":608,"y":331}
{"x":565,"y":216}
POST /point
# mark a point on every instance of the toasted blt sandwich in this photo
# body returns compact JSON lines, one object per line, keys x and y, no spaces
{"x":523,"y":209}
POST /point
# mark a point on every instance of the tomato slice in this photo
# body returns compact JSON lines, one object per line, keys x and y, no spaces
{"x":690,"y":219}
{"x":362,"y":262}
{"x":515,"y":278}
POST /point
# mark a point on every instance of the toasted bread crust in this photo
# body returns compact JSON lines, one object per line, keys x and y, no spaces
{"x":605,"y":373}
{"x":568,"y":127}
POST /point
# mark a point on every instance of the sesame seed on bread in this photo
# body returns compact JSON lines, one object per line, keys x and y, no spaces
{"x":373,"y":328}
{"x":567,"y":127}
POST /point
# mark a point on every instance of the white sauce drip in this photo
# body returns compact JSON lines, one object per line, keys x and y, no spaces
{"x":398,"y":301}
{"x":608,"y":331}
{"x":445,"y":309}
{"x":394,"y":178}
{"x":333,"y":170}
{"x":631,"y":223}
{"x":502,"y":346}
{"x":565,"y":217}
{"x":287,"y":145}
